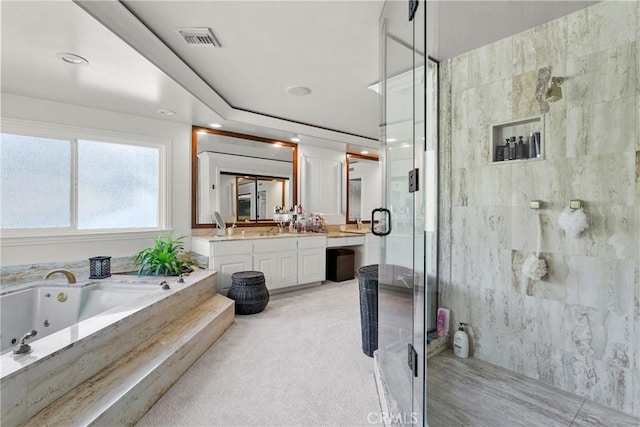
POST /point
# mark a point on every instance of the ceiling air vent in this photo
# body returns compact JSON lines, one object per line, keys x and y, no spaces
{"x":198,"y":37}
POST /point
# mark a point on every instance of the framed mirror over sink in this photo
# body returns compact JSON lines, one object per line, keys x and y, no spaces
{"x":364,"y":187}
{"x":243,"y":177}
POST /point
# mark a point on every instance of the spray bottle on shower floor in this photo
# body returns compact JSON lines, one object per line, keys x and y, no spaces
{"x":461,"y":342}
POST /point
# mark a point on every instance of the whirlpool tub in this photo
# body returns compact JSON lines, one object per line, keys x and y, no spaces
{"x":48,"y":309}
{"x":81,"y":330}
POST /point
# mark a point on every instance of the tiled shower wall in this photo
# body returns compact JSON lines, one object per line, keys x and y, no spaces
{"x":579,"y":327}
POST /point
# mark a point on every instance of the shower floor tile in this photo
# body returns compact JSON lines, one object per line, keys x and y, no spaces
{"x":469,"y":392}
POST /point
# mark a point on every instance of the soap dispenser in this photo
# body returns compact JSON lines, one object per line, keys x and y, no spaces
{"x":461,"y":342}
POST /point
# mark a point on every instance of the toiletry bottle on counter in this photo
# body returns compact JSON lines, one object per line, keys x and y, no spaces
{"x":461,"y":342}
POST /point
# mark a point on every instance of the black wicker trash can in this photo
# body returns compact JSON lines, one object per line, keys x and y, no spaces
{"x":249,"y":291}
{"x":368,"y":284}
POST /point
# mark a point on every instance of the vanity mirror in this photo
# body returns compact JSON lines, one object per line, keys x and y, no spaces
{"x":364,"y":189}
{"x":243,"y":177}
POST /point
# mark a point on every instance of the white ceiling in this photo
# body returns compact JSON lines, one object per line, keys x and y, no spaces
{"x":138,"y":64}
{"x":330,"y":47}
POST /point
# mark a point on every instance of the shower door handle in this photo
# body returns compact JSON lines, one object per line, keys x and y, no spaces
{"x":381,"y":226}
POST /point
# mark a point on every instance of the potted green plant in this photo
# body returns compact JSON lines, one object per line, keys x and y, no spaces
{"x":165,"y":258}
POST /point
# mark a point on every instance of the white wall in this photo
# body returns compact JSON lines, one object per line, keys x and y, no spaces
{"x":63,"y":248}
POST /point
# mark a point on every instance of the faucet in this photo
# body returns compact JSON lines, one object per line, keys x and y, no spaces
{"x":69,"y":275}
{"x":359,"y":223}
{"x":24,"y":347}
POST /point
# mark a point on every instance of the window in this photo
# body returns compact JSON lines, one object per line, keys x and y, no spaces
{"x":117,"y":185}
{"x":36,"y":182}
{"x":70,"y":184}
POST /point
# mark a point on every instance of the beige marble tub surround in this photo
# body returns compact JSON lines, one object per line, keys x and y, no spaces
{"x":15,"y":274}
{"x":124,"y":391}
{"x":578,"y":328}
{"x":63,"y":360}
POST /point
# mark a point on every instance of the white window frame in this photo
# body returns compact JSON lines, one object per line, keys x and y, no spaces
{"x":14,"y":237}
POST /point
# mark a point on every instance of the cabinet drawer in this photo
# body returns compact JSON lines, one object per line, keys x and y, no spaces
{"x":333,"y":242}
{"x":312,"y":242}
{"x":231,"y":248}
{"x":275,"y":245}
{"x":354,"y":241}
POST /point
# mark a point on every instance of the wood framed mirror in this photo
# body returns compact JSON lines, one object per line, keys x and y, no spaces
{"x":222,"y":161}
{"x":364,"y":187}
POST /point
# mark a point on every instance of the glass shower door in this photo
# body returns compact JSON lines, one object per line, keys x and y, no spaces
{"x":401,"y":276}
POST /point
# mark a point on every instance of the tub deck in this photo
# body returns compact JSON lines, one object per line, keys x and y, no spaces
{"x":66,"y":359}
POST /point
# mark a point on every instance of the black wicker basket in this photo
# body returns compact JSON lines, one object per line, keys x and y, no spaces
{"x":249,"y":291}
{"x":99,"y":267}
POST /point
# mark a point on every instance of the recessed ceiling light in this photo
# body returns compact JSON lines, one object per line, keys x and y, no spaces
{"x":215,"y":125}
{"x":392,"y":139}
{"x":295,"y":139}
{"x":166,"y":112}
{"x":364,"y":152}
{"x":297,"y":90}
{"x":72,"y":58}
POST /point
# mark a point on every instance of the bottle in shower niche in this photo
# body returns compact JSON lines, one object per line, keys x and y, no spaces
{"x":532,"y":146}
{"x":520,"y":149}
{"x":498,"y":153}
{"x":505,"y":150}
{"x":537,"y":138}
{"x":512,"y":148}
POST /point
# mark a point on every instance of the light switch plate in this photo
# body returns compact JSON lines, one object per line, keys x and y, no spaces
{"x":535,"y":204}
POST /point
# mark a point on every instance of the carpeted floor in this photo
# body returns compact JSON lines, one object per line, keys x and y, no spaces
{"x":298,"y":363}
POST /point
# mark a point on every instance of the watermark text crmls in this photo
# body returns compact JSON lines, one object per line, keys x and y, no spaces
{"x":390,"y":418}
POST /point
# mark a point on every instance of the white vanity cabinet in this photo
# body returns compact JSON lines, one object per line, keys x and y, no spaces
{"x":228,"y":258}
{"x":312,"y":259}
{"x":285,"y":261}
{"x":278,"y":260}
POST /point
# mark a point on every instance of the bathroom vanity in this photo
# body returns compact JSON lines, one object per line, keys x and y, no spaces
{"x":287,"y":260}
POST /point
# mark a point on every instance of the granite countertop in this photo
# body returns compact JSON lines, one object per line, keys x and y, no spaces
{"x":238,"y":235}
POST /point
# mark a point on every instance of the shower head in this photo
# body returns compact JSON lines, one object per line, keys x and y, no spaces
{"x":554,"y":92}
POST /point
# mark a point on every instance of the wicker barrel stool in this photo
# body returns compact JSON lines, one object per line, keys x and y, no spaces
{"x":249,"y":291}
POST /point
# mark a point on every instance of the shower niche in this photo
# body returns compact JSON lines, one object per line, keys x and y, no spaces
{"x":513,"y":141}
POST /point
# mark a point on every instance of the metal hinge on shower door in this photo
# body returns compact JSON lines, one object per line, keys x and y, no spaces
{"x":412,"y":360}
